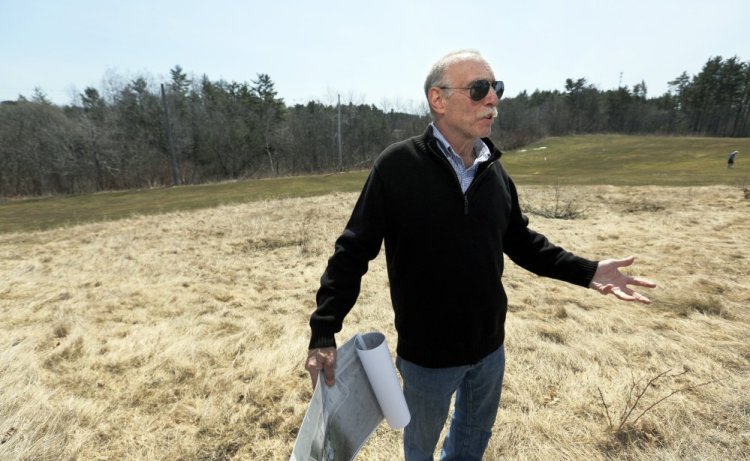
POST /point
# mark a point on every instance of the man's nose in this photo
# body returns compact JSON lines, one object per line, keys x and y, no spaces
{"x":491,"y":99}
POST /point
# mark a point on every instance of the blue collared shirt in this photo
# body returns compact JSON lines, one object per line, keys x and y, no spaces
{"x":465,"y":175}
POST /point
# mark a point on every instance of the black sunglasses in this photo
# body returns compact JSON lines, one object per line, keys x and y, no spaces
{"x":479,"y":89}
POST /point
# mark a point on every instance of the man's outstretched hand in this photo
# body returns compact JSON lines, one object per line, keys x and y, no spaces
{"x":609,"y":280}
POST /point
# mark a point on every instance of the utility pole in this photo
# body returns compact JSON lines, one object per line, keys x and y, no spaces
{"x":338,"y":136}
{"x":170,"y":139}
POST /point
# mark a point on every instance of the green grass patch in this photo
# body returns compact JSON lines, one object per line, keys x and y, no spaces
{"x":52,"y":212}
{"x":589,"y":159}
{"x":630,"y":161}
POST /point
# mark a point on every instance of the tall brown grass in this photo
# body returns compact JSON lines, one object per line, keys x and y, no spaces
{"x":181,"y":336}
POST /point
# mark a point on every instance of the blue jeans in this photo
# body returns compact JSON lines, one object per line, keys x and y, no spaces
{"x":428,"y":393}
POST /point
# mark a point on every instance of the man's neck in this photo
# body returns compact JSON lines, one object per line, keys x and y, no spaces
{"x":460,"y":145}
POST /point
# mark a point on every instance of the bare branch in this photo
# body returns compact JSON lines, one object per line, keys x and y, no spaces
{"x":606,"y":408}
{"x":638,"y":398}
{"x":686,"y":388}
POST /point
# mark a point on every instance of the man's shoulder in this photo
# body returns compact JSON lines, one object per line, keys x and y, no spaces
{"x":402,"y":152}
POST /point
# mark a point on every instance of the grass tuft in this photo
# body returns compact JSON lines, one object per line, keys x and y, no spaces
{"x":701,"y":304}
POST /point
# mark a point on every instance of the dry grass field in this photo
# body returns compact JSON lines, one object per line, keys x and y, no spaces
{"x":182,"y":336}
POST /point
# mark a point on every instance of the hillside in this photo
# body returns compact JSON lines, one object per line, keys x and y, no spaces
{"x":594,"y":159}
{"x":630,"y":161}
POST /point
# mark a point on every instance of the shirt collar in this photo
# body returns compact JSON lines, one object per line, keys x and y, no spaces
{"x":481,"y":151}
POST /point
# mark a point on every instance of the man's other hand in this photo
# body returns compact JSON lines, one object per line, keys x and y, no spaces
{"x":322,"y":359}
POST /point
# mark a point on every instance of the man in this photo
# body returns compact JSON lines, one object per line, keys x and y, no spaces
{"x":447,"y":211}
{"x":730,"y":159}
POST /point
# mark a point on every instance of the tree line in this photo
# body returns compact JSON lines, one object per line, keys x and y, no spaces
{"x":715,"y":102}
{"x":191,"y":131}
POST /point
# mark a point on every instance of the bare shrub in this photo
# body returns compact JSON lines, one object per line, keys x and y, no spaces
{"x":560,"y":205}
{"x":624,"y":427}
{"x":744,"y":186}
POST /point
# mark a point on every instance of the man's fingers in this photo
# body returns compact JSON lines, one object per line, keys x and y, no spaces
{"x":620,"y":294}
{"x":640,"y":298}
{"x":624,"y":262}
{"x":313,"y":376}
{"x":328,"y":373}
{"x":311,"y":365}
{"x":321,"y":359}
{"x":642,"y":282}
{"x":630,"y":295}
{"x":328,"y":364}
{"x":625,"y":295}
{"x":636,"y":297}
{"x":603,"y":289}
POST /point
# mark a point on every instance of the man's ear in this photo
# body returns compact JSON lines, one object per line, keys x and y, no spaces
{"x":436,"y":99}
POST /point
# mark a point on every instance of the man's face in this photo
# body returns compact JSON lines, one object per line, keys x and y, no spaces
{"x":463,"y":117}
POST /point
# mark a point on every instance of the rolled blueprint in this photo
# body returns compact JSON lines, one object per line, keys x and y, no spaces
{"x":373,"y":352}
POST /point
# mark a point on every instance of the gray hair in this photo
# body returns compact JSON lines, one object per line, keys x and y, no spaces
{"x":436,"y":77}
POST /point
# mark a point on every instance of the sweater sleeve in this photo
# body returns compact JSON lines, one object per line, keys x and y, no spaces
{"x":532,"y":251}
{"x":359,"y":243}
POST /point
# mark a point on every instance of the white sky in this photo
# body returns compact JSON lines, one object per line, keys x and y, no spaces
{"x":376,"y":52}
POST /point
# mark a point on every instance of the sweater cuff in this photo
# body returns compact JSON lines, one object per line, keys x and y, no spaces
{"x":589,"y":269}
{"x":318,"y":341}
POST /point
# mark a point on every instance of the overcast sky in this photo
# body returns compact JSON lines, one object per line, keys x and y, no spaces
{"x":376,"y":52}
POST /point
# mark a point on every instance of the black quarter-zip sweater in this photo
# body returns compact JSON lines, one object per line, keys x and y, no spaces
{"x":444,"y":252}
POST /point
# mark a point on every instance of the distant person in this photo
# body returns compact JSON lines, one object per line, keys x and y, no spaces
{"x":447,"y":211}
{"x":730,"y":159}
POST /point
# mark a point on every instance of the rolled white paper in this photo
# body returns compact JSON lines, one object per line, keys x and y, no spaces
{"x":372,"y":350}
